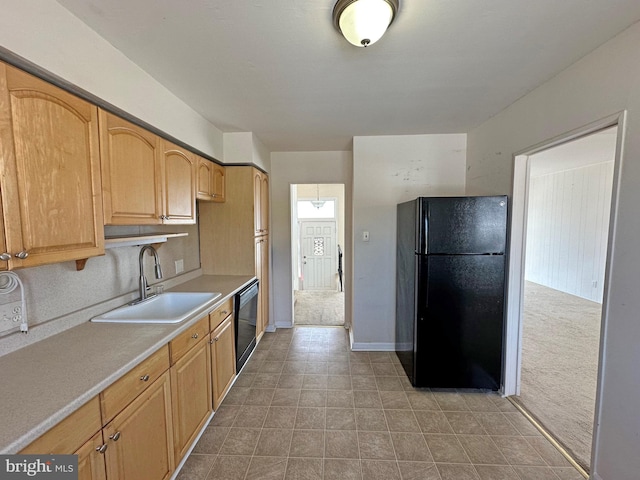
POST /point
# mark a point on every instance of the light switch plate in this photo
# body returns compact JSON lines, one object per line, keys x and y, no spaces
{"x":365,"y":236}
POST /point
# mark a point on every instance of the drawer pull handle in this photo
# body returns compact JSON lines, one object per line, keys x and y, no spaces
{"x":22,"y":255}
{"x":144,"y":378}
{"x":115,"y":437}
{"x":224,"y":312}
{"x":5,"y":256}
{"x":216,"y":339}
{"x":194,"y":336}
{"x":102,"y":448}
{"x":211,"y":341}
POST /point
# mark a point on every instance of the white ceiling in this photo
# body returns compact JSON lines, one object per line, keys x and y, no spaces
{"x":278,"y":68}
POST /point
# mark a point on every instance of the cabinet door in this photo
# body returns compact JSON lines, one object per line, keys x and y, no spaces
{"x":191,"y":400}
{"x":262,"y":274}
{"x":179,"y":185}
{"x":264,"y":204}
{"x":49,"y":172}
{"x":4,"y":255}
{"x":205,"y":179}
{"x":218,"y":175}
{"x":264,"y":281}
{"x":257,"y":197}
{"x":260,"y":202}
{"x":91,"y":462}
{"x":223,"y":356}
{"x":140,"y":438}
{"x":131,"y":173}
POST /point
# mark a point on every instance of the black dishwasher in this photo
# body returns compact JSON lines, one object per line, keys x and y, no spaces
{"x":245,"y":320}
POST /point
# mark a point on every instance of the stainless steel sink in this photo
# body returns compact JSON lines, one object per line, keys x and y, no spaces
{"x":171,"y":307}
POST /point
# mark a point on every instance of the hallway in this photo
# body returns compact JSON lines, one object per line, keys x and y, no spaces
{"x":306,"y":407}
{"x":318,"y":308}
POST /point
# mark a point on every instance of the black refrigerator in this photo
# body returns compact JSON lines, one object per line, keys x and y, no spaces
{"x":450,"y":290}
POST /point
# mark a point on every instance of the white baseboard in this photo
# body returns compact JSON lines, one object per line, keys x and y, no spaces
{"x":372,"y":347}
{"x":595,"y":476}
{"x":270,"y":328}
{"x":283,"y":325}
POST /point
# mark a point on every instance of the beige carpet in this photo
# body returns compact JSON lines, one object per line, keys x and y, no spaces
{"x":560,"y":344}
{"x":318,"y":307}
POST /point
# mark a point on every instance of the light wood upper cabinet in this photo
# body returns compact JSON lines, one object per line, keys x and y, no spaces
{"x":49,"y":173}
{"x":179,"y":184}
{"x":131,"y":172}
{"x":191,"y":399}
{"x":264,"y":204}
{"x":218,"y":183}
{"x":140,"y":438}
{"x":261,"y":202}
{"x":205,"y":179}
{"x":223,"y":355}
{"x":211,"y":181}
{"x":145,"y":179}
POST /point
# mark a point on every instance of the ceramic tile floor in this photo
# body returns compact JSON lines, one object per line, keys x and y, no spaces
{"x":306,"y":407}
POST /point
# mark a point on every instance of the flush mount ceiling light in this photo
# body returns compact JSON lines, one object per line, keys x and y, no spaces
{"x":363,"y":22}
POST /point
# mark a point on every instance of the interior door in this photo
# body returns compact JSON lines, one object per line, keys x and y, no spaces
{"x":319,"y":254}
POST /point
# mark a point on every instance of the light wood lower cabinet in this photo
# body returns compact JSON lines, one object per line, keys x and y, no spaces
{"x":223,"y":356}
{"x":143,"y":425}
{"x":140,"y":438}
{"x":91,"y":461}
{"x":191,"y":400}
{"x":262,"y":274}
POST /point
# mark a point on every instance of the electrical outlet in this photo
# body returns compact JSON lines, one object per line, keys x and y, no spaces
{"x":179,"y":266}
{"x":10,"y":316}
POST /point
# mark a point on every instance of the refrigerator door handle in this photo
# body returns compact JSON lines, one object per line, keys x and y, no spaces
{"x":423,"y":290}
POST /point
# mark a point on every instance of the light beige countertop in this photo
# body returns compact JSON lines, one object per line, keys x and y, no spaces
{"x":45,"y":382}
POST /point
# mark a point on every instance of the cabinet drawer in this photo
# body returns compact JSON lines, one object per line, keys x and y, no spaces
{"x":188,"y":339}
{"x":117,"y":396}
{"x":219,"y":314}
{"x":71,"y":433}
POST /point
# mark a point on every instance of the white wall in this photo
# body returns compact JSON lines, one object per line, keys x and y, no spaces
{"x":45,"y":33}
{"x":245,"y":148}
{"x":567,"y":229}
{"x":600,"y":84}
{"x":388,"y":170}
{"x":288,"y":168}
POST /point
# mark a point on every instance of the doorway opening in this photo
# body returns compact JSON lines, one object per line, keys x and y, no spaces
{"x":317,"y":254}
{"x":562,"y":214}
{"x":569,"y":201}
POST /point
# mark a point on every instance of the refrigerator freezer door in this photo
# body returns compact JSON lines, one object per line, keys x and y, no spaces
{"x":463,"y":225}
{"x":460,"y":321}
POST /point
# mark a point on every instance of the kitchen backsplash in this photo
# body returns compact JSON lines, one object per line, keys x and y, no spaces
{"x":59,"y":297}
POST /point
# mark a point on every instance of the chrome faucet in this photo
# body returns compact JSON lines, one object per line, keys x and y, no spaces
{"x":143,"y":287}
